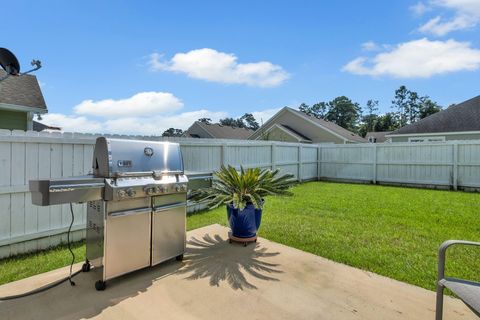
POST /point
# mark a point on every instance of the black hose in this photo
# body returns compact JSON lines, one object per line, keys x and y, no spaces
{"x":54,"y":284}
{"x":69,"y":248}
{"x":42,"y":289}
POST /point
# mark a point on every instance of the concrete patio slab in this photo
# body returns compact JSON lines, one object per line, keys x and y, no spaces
{"x":218,"y":280}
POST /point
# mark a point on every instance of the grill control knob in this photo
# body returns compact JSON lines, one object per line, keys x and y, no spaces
{"x":158,"y":190}
{"x":130,"y":192}
{"x":150,"y":190}
{"x":121,"y":194}
{"x":177,"y":188}
{"x":163,"y":189}
{"x":183,"y":188}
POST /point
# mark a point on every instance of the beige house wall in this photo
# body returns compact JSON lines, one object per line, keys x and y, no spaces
{"x":277,"y":134}
{"x":450,"y":137}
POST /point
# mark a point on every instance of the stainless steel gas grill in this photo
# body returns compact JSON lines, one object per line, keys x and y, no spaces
{"x":136,"y":209}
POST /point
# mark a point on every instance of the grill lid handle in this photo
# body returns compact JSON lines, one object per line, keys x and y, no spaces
{"x":157,"y":174}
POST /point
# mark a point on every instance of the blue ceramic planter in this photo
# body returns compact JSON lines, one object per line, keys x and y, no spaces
{"x":244,"y":223}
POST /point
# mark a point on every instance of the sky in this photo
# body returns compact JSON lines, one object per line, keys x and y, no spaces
{"x":140,"y":67}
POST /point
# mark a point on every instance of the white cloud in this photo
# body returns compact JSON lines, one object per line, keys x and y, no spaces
{"x":157,"y":124}
{"x":370,"y":46}
{"x":466,"y":16}
{"x":211,"y":65}
{"x":72,"y":123}
{"x":420,"y":8}
{"x":264,"y":115}
{"x":153,"y":125}
{"x":418,"y":59}
{"x":142,"y":103}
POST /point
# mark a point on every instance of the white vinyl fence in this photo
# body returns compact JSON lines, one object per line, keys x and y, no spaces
{"x":31,"y":155}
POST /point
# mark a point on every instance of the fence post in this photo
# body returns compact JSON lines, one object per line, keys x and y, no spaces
{"x":319,"y":162}
{"x":300,"y":166}
{"x":274,"y":156}
{"x":455,"y":165}
{"x":374,"y":179}
{"x":224,"y":154}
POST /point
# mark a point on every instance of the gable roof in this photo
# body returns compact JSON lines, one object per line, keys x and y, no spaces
{"x":219,"y":131}
{"x":291,"y":132}
{"x":379,"y":136}
{"x":327,"y":125}
{"x":22,"y":91}
{"x":462,"y":117}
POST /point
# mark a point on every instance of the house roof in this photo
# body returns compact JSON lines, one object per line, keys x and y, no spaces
{"x":462,"y":117}
{"x":38,"y":126}
{"x":303,"y":137}
{"x":379,"y":136}
{"x":219,"y":131}
{"x":22,"y":91}
{"x":346,"y":134}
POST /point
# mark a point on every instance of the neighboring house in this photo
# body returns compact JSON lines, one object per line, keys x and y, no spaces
{"x":458,"y":122}
{"x":216,"y":131}
{"x":377,"y":137}
{"x":20,"y":99}
{"x":37,"y":126}
{"x":290,"y":125}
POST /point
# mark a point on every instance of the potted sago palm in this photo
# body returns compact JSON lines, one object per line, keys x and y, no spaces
{"x":243,"y":194}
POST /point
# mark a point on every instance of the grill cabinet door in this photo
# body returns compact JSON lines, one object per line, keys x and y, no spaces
{"x":168,"y":232}
{"x":127,"y":241}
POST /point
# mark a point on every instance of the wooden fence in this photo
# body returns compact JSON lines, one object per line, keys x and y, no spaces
{"x":31,"y":155}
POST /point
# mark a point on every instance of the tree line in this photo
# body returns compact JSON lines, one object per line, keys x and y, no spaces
{"x":247,"y":121}
{"x":407,"y":107}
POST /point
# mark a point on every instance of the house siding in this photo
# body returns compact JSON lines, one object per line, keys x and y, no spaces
{"x":278,"y":135}
{"x":447,"y":137}
{"x":13,"y":120}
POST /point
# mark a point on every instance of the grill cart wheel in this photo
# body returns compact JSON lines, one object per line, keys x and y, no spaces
{"x":100,"y":285}
{"x":179,"y":258}
{"x":86,"y":266}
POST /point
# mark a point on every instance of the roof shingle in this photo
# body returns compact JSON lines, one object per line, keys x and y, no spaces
{"x":462,"y":117}
{"x":219,"y":131}
{"x":21,"y":91}
{"x":333,"y":127}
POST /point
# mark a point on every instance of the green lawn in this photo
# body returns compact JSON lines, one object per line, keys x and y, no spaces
{"x":391,"y":231}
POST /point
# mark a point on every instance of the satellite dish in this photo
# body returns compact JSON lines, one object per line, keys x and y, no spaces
{"x":9,"y":62}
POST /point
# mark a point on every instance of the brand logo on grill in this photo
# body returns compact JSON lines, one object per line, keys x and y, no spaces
{"x":148,"y":151}
{"x":124,"y":163}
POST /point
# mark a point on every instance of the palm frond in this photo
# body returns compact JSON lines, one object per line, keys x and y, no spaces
{"x":249,"y":186}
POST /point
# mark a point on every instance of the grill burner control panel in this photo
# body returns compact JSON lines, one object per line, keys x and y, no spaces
{"x":137,"y":187}
{"x":133,"y":192}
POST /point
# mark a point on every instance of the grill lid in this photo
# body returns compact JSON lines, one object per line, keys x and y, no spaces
{"x":118,"y":157}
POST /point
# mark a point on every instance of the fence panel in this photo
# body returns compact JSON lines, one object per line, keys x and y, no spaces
{"x":31,"y":155}
{"x":347,"y":162}
{"x":468,"y":165}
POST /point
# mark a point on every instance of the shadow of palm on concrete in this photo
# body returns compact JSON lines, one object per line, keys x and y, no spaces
{"x":215,"y":258}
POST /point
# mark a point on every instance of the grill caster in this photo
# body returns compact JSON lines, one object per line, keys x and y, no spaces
{"x":179,"y":257}
{"x":86,"y":266}
{"x":100,"y":285}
